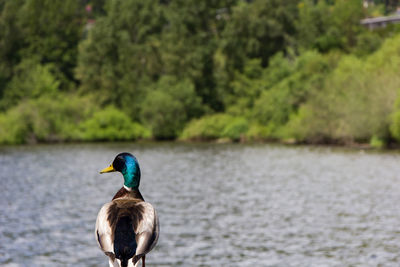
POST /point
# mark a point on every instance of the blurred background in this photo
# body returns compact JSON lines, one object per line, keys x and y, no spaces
{"x":295,"y":71}
{"x":86,"y":75}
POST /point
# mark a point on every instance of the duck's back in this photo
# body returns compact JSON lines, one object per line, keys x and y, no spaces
{"x":127,"y":228}
{"x":124,"y":239}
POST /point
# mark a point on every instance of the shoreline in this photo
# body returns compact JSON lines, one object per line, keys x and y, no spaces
{"x":221,"y":141}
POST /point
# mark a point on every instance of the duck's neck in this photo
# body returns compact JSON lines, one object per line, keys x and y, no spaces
{"x":131,"y":174}
{"x":129,"y":192}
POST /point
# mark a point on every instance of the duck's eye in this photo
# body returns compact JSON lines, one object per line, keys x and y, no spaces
{"x":119,"y":163}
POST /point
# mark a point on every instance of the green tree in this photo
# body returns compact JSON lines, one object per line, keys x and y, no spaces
{"x":255,"y":30}
{"x":191,"y":42}
{"x":326,"y":26}
{"x":121,"y":54}
{"x":52,"y":30}
{"x":306,"y":77}
{"x":11,"y":40}
{"x":259,"y":29}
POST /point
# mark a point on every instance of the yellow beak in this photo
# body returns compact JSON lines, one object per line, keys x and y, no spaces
{"x":108,"y":169}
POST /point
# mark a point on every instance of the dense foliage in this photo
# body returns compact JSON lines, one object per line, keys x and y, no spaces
{"x":291,"y":70}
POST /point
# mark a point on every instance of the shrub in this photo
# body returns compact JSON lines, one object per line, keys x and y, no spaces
{"x":395,"y":121}
{"x":377,"y":142}
{"x":216,"y":126}
{"x":15,"y":126}
{"x":357,"y":99}
{"x":258,"y":132}
{"x":66,"y":117}
{"x":168,"y":106}
{"x":111,"y":124}
{"x":236,"y":128}
{"x":275,"y":105}
{"x":32,"y":80}
{"x":162,"y":114}
{"x":45,"y":119}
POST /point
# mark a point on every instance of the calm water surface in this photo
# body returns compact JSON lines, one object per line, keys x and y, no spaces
{"x":219,"y":205}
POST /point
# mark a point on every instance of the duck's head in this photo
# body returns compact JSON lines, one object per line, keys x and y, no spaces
{"x":126,"y":164}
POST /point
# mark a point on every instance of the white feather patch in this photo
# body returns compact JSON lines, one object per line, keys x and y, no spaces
{"x":103,"y":230}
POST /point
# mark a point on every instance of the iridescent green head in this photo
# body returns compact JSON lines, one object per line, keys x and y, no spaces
{"x":128,"y":165}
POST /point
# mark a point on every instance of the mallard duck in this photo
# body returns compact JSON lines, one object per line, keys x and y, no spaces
{"x":127,"y":227}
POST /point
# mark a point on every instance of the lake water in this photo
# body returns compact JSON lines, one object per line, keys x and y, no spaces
{"x":219,"y":205}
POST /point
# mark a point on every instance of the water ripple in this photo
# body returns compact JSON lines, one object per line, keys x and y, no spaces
{"x":219,"y":205}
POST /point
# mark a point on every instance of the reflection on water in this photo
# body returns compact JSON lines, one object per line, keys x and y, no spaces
{"x":219,"y":205}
